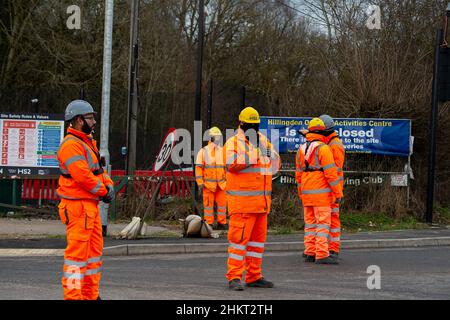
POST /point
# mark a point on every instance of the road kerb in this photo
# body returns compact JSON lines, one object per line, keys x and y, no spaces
{"x":186,"y":248}
{"x":31,"y":252}
{"x":395,"y":243}
{"x":148,"y":249}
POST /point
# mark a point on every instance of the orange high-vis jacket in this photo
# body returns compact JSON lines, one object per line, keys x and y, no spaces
{"x":318,"y":183}
{"x":81,"y":175}
{"x":338,"y":150}
{"x":249,"y":174}
{"x":210,"y":168}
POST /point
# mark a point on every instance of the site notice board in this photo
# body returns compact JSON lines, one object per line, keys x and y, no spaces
{"x":30,"y":143}
{"x":390,"y":137}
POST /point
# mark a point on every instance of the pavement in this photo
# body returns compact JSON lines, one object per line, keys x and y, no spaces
{"x":39,"y":237}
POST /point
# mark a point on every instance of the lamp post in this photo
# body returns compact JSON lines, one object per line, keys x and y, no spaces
{"x":133,"y":91}
{"x":106,"y":91}
{"x":438,"y":95}
{"x":198,"y":86}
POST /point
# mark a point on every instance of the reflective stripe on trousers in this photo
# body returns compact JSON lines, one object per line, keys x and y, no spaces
{"x":211,"y":198}
{"x":246,"y":238}
{"x":82,"y":257}
{"x":334,"y":243}
{"x":317,"y":228}
{"x":250,"y":251}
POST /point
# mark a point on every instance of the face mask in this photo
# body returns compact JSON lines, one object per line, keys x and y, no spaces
{"x":321,"y":132}
{"x":216,"y":141}
{"x":254,"y":129}
{"x":247,"y":126}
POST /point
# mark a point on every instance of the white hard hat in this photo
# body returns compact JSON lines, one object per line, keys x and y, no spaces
{"x":327,"y":121}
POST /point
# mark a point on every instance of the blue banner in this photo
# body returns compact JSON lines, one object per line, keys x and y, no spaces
{"x":375,"y":136}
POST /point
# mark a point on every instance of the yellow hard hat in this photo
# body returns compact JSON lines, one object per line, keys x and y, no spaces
{"x":214,"y":131}
{"x":316,"y":125}
{"x":249,"y":115}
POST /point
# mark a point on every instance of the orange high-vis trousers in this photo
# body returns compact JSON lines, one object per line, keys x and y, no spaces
{"x":335,"y":232}
{"x":317,"y":231}
{"x":246,"y":238}
{"x":83,"y":254}
{"x":219,"y":198}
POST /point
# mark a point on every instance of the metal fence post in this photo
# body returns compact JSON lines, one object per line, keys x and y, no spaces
{"x":14,"y":192}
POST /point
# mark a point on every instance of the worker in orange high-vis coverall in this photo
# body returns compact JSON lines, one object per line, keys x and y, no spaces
{"x":210,"y":177}
{"x":250,"y":163}
{"x":337,"y":148}
{"x":82,"y":184}
{"x":318,"y":187}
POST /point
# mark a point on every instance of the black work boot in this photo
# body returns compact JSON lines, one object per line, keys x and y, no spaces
{"x":236,"y":285}
{"x":334,"y":254}
{"x":221,"y":226}
{"x":327,"y":260}
{"x":261,"y":283}
{"x":310,"y":258}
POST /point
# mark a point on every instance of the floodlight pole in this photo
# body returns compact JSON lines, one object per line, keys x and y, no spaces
{"x":198,"y":86}
{"x":106,"y":91}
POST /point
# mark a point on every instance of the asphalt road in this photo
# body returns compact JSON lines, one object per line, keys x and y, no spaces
{"x":415,"y":273}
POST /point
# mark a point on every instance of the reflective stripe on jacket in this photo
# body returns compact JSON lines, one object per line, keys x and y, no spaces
{"x":338,"y":150}
{"x":78,"y":157}
{"x":249,"y":174}
{"x":210,"y":168}
{"x":321,"y":185}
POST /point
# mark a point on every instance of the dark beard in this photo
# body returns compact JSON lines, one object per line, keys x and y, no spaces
{"x":86,"y":129}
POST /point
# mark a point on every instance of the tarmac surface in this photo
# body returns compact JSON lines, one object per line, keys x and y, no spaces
{"x":413,"y":264}
{"x":404,"y":273}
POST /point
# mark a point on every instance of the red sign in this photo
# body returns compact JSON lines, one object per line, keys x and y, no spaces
{"x":19,"y":124}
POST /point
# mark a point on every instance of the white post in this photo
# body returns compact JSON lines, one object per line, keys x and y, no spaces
{"x":106,"y":90}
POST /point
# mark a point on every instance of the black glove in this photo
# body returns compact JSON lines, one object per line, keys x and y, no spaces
{"x":102,"y":162}
{"x":200,"y":189}
{"x":110,"y":195}
{"x":338,"y":200}
{"x":268,"y":152}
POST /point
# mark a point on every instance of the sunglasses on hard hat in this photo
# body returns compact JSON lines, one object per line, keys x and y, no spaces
{"x":90,"y":117}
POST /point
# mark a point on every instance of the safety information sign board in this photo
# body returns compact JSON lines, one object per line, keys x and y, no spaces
{"x":30,"y":143}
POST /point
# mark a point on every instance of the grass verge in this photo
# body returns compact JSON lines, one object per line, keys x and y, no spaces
{"x":352,"y":222}
{"x":363,"y":222}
